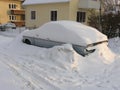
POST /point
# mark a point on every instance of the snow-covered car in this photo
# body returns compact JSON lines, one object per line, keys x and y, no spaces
{"x":10,"y":25}
{"x":3,"y":27}
{"x":55,"y":33}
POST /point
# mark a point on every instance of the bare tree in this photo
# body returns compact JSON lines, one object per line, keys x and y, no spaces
{"x":111,"y":5}
{"x":107,"y":22}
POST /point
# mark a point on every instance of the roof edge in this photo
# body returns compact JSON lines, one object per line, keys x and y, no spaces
{"x":25,"y":4}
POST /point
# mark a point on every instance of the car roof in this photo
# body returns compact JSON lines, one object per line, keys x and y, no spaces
{"x":69,"y":32}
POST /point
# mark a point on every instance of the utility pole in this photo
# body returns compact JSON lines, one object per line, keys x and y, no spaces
{"x":100,"y":16}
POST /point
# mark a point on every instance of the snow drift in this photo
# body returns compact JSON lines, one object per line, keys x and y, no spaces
{"x":57,"y":68}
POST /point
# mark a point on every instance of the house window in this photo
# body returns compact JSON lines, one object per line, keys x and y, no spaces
{"x":22,"y":17}
{"x":12,"y":17}
{"x":12,"y":6}
{"x":33,"y":15}
{"x":81,"y":16}
{"x":53,"y":15}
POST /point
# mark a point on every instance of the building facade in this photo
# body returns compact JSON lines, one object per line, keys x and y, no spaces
{"x":39,"y":12}
{"x":11,"y":11}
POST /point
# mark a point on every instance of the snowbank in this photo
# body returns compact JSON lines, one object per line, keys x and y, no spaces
{"x":63,"y":57}
{"x":60,"y":56}
{"x":57,"y":68}
{"x":103,"y":53}
{"x":115,"y":42}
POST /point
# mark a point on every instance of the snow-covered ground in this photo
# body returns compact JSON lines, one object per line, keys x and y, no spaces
{"x":27,"y":67}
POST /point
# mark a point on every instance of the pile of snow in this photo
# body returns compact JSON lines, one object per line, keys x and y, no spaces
{"x":63,"y":55}
{"x":58,"y":68}
{"x":104,"y":53}
{"x":115,"y":44}
{"x":68,"y":32}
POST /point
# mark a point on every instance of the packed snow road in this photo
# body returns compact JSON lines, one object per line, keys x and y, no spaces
{"x":22,"y":68}
{"x":26,"y":67}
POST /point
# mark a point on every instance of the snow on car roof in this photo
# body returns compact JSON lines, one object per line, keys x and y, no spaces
{"x":69,"y":32}
{"x":30,"y":2}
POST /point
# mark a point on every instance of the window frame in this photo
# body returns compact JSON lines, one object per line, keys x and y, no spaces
{"x":33,"y":15}
{"x":12,"y":6}
{"x":53,"y":15}
{"x":81,"y":16}
{"x":12,"y":17}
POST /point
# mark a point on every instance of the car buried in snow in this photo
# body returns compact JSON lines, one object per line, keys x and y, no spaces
{"x":80,"y":36}
{"x":5,"y":26}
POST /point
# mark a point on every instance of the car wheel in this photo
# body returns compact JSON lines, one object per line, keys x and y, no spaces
{"x":27,"y":41}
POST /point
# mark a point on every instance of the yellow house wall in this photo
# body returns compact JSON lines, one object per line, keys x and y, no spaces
{"x":43,"y":13}
{"x":65,"y":11}
{"x":74,"y":8}
{"x":3,"y":13}
{"x":4,"y":7}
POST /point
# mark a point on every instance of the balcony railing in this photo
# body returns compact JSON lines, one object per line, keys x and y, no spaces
{"x":16,"y":12}
{"x":89,"y":4}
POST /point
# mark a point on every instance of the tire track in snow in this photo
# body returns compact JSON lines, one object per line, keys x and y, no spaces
{"x":34,"y":80}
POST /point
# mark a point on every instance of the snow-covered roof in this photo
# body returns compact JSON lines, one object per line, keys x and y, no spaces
{"x":32,"y":2}
{"x":69,"y":32}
